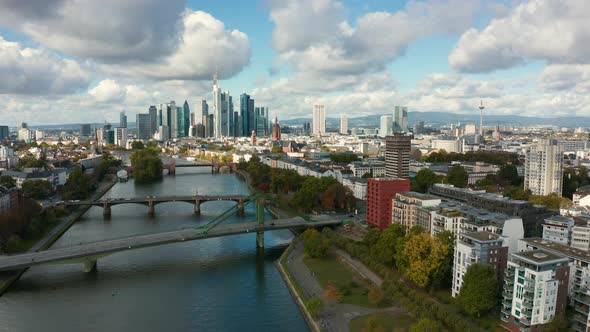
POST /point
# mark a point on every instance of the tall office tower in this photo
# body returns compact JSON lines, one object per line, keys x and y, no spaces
{"x":153,"y":113}
{"x":385,"y":128}
{"x":85,"y":129}
{"x":144,"y":126}
{"x":251,"y":118}
{"x":3,"y":132}
{"x":237,"y":124}
{"x":121,"y":136}
{"x":161,"y":115}
{"x":343,"y":124}
{"x":306,"y":128}
{"x":245,"y":113}
{"x":187,"y":118}
{"x":122,"y":120}
{"x":319,"y":120}
{"x":201,"y":112}
{"x":172,"y":120}
{"x":223,"y":119}
{"x":400,"y":119}
{"x":210,"y":128}
{"x":40,"y":135}
{"x":216,"y":108}
{"x":23,"y":125}
{"x":543,"y":168}
{"x":419,"y":128}
{"x":180,"y":121}
{"x":397,"y":155}
{"x":107,"y":127}
{"x":230,"y":116}
{"x":535,"y":290}
{"x":100,"y":135}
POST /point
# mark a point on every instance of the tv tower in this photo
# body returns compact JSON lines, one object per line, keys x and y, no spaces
{"x":481,"y":107}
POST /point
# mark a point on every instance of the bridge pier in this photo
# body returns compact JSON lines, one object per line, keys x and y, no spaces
{"x":197,"y":207}
{"x":241,"y":208}
{"x":90,"y":265}
{"x":151,"y":208}
{"x":106,"y":211}
{"x":260,"y":239}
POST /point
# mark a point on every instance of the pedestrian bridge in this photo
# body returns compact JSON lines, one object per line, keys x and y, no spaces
{"x":88,"y":253}
{"x":152,"y":201}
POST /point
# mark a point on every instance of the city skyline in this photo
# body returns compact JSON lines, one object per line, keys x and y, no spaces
{"x":440,"y":60}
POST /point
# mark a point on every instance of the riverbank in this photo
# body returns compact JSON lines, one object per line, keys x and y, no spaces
{"x":9,"y":278}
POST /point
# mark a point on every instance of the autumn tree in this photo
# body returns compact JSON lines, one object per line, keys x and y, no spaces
{"x":375,"y":295}
{"x":315,"y":305}
{"x":479,"y":291}
{"x":332,"y":293}
{"x":422,"y":255}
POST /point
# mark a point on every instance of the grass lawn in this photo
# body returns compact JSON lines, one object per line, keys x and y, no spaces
{"x":389,"y":321}
{"x":352,"y":285}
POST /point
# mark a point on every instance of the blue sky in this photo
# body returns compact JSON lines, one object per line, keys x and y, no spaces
{"x":69,"y":61}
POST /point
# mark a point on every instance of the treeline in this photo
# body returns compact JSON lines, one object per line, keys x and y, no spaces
{"x":307,"y":193}
{"x":497,"y":158}
{"x":343,"y":158}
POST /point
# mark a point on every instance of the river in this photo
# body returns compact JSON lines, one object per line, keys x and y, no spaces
{"x":219,"y":284}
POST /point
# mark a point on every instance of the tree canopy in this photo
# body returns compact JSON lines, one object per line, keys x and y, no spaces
{"x":37,"y":189}
{"x":479,"y":291}
{"x":137,"y":145}
{"x":315,"y":245}
{"x":458,"y":176}
{"x":426,"y":325}
{"x":147,"y":165}
{"x":424,"y":179}
{"x":422,"y":255}
{"x":7,"y":181}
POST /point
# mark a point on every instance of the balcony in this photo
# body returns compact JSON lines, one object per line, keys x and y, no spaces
{"x":578,"y":327}
{"x":528,"y":305}
{"x":581,"y":308}
{"x":578,"y":273}
{"x":505,"y":318}
{"x":583,"y":298}
{"x":580,"y":318}
{"x":507,"y":302}
{"x":525,"y":320}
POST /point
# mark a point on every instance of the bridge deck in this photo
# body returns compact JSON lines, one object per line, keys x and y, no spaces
{"x":160,"y":199}
{"x":14,"y":262}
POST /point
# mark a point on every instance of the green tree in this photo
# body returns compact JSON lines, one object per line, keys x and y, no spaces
{"x":315,"y":306}
{"x":551,"y":201}
{"x":137,"y":145}
{"x":388,"y":244}
{"x":147,"y":165}
{"x":422,"y":256}
{"x":458,"y":176}
{"x":37,"y":189}
{"x":78,"y":186}
{"x":517,"y":193}
{"x":425,"y":178}
{"x":508,"y":175}
{"x":7,"y":181}
{"x":315,"y":245}
{"x":479,"y":291}
{"x":372,"y":324}
{"x":426,"y":325}
{"x":276,"y":149}
{"x":443,"y":276}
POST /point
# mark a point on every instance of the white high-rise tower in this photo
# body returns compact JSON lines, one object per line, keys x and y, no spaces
{"x":319,"y":120}
{"x":343,"y":124}
{"x":543,"y":168}
{"x":481,"y":107}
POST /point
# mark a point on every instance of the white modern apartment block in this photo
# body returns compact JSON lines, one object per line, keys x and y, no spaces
{"x":558,"y":229}
{"x":343,"y":124}
{"x":535,"y":290}
{"x":319,"y":120}
{"x":405,"y":207}
{"x":386,"y":125}
{"x":477,"y":247}
{"x":121,"y":136}
{"x":582,"y":196}
{"x":543,"y":173}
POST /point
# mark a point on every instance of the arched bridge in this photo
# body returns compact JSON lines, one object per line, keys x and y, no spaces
{"x":152,"y":201}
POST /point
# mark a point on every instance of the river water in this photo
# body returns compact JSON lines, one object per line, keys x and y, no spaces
{"x":219,"y":284}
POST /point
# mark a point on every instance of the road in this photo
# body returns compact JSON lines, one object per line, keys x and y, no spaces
{"x":13,"y":262}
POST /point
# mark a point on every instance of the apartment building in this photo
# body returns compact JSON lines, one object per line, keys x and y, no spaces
{"x":535,"y":290}
{"x":477,"y":247}
{"x":406,"y":204}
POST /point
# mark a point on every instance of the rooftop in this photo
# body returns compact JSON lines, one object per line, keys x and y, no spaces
{"x":482,"y":236}
{"x":561,"y":249}
{"x":540,"y":257}
{"x":418,"y":195}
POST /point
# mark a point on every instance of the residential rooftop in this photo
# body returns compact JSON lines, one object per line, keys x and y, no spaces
{"x":540,"y":257}
{"x":558,"y":248}
{"x":482,"y":236}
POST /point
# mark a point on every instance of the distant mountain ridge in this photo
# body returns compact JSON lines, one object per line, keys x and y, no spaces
{"x":444,"y":118}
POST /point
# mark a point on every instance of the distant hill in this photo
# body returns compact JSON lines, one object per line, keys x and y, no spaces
{"x":444,"y":118}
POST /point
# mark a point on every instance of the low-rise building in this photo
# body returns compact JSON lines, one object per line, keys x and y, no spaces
{"x":8,"y":198}
{"x":582,"y":196}
{"x":406,"y":204}
{"x":57,"y":177}
{"x":535,"y":290}
{"x":478,"y":247}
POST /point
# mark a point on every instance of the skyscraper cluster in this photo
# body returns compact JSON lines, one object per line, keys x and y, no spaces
{"x":223,"y":121}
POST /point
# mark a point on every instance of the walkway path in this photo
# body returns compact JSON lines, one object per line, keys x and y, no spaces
{"x":336,"y":316}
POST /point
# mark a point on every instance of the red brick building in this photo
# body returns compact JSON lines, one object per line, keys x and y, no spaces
{"x":380,"y":192}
